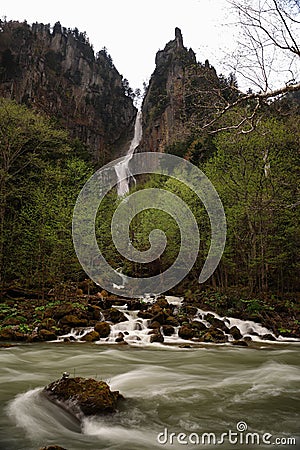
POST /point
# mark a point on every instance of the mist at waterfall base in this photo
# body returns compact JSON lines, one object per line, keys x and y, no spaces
{"x":197,"y":390}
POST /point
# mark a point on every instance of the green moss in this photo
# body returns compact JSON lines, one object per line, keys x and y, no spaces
{"x":91,"y":396}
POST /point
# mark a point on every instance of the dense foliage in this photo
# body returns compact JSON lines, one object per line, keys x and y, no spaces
{"x":255,"y":174}
{"x":40,"y":176}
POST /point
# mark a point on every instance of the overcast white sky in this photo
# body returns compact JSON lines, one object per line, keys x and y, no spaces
{"x":133,"y":30}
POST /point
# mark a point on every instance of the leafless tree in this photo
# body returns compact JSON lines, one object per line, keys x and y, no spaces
{"x":267,"y":59}
{"x":268,"y":54}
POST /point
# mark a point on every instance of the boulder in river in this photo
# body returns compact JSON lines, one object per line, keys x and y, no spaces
{"x":103,"y":328}
{"x":82,"y":396}
{"x":214,"y":335}
{"x":235,"y":333}
{"x":114,"y":315}
{"x":92,"y":336}
{"x":186,"y":332}
{"x":53,"y":447}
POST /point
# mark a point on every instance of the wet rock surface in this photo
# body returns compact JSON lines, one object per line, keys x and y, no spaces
{"x":53,"y":447}
{"x":96,"y":318}
{"x":83,"y":397}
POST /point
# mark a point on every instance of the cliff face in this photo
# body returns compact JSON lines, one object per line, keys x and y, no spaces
{"x":56,"y":71}
{"x":179,"y":98}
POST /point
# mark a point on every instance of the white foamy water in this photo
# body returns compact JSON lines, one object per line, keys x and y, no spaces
{"x":199,"y":390}
{"x":122,"y":168}
{"x":134,"y":331}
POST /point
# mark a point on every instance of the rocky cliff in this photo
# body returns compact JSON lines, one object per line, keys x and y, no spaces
{"x":181,"y":95}
{"x":56,"y":72}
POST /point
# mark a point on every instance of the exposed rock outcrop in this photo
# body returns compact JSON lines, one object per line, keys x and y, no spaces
{"x":56,"y":72}
{"x":83,"y":397}
{"x":180,"y":94}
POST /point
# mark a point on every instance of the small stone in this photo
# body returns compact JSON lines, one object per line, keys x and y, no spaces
{"x":120,"y":337}
{"x":240,"y":343}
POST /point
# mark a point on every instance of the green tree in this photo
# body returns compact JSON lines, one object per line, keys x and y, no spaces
{"x":39,"y":182}
{"x":257,"y":176}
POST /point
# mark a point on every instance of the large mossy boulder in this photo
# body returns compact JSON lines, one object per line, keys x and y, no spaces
{"x":156,"y":336}
{"x":92,"y":336}
{"x":114,"y":315}
{"x":214,"y":335}
{"x":186,"y":332}
{"x":82,"y":396}
{"x":103,"y":329}
{"x":235,"y":333}
{"x":47,"y":335}
{"x":73,"y":321}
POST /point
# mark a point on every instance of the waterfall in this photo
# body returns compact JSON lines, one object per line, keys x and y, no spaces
{"x":122,"y":167}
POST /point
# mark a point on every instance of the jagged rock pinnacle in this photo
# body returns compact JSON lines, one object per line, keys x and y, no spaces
{"x":178,"y":37}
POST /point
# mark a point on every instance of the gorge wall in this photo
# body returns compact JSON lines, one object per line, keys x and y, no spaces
{"x":181,"y":95}
{"x":56,"y":72}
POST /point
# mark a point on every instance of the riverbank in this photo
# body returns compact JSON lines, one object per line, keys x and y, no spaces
{"x":207,"y":316}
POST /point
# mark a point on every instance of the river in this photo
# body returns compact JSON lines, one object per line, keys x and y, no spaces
{"x":211,"y":389}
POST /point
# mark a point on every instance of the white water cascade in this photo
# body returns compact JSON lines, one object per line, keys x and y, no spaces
{"x":122,"y":167}
{"x":135,"y":330}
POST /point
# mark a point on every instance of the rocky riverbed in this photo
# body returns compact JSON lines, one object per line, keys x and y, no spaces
{"x":204,"y":317}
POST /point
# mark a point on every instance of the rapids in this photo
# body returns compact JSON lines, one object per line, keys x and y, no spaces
{"x":197,"y":390}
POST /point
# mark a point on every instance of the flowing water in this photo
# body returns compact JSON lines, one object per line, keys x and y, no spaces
{"x":122,"y":167}
{"x":135,"y":330}
{"x":167,"y":390}
{"x":217,"y":395}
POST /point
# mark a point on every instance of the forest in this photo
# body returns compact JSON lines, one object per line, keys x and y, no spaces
{"x":246,"y":143}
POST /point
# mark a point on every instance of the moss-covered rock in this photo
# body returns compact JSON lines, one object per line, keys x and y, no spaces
{"x":61,"y":311}
{"x":47,"y":335}
{"x":92,"y":336}
{"x":115,"y":316}
{"x":73,"y":321}
{"x":145,"y":314}
{"x":7,"y":334}
{"x":103,"y":328}
{"x":154,"y":324}
{"x":186,"y":332}
{"x":157,"y":337}
{"x":215,"y":322}
{"x":162,"y":302}
{"x":235,"y":333}
{"x":83,"y":397}
{"x":47,"y":324}
{"x":168,"y":330}
{"x":199,"y":326}
{"x":214,"y":335}
{"x":171,"y":320}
